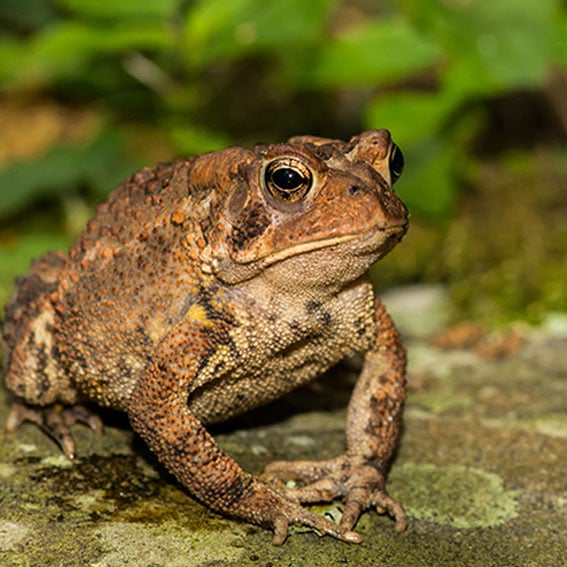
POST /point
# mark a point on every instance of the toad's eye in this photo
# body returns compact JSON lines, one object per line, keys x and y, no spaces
{"x":396,"y":163}
{"x":288,"y":179}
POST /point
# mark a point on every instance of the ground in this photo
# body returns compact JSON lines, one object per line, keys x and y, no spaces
{"x":480,"y":468}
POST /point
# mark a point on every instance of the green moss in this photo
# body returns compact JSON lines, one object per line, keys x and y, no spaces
{"x":168,"y":544}
{"x":459,"y":496}
{"x":440,"y":399}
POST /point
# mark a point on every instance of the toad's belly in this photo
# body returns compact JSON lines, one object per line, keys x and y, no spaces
{"x":223,"y":392}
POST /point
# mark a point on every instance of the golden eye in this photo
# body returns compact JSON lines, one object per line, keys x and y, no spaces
{"x":288,"y":179}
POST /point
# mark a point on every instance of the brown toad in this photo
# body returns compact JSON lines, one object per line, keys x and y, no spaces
{"x":205,"y":287}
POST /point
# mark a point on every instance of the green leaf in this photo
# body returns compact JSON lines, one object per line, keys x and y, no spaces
{"x":381,"y":51}
{"x":216,"y":29}
{"x":427,"y":185}
{"x":61,"y":170}
{"x":112,"y":9}
{"x":561,"y":43}
{"x":17,"y":253}
{"x":493,"y":44}
{"x":90,"y":39}
{"x":19,"y":16}
{"x":66,"y":49}
{"x":409,"y":116}
{"x":13,"y":58}
{"x":192,"y":139}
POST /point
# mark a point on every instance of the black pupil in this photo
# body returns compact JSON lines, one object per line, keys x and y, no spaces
{"x":396,"y":163}
{"x":287,"y":179}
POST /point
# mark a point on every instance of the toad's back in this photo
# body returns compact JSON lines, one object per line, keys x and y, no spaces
{"x":96,"y":315}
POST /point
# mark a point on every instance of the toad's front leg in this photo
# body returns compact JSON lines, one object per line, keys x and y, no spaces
{"x":159,"y":412}
{"x":373,"y":425}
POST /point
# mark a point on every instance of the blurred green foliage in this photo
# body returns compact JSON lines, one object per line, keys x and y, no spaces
{"x":421,"y":67}
{"x":144,"y":80}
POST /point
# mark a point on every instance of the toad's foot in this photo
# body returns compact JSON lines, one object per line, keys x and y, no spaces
{"x":359,"y":482}
{"x":283,"y":513}
{"x":55,"y":421}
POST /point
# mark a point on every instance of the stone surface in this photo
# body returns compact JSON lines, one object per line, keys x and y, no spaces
{"x":480,"y":468}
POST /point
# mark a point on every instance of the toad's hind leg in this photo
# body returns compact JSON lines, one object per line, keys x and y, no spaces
{"x":32,"y":368}
{"x":31,"y":365}
{"x":55,"y":421}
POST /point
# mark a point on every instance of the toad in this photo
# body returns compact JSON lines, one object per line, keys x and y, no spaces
{"x":207,"y":286}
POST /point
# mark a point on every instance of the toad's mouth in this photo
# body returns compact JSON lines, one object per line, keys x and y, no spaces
{"x":378,"y":240}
